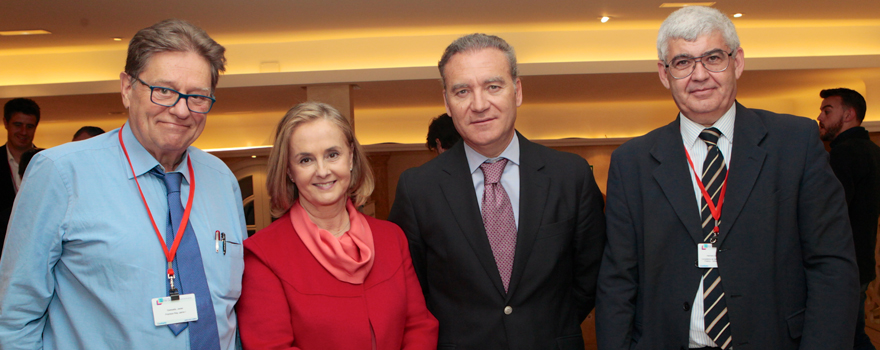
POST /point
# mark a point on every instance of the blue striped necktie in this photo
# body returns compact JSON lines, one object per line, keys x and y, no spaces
{"x":190,"y":275}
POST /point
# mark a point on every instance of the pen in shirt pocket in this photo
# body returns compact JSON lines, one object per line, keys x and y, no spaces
{"x":223,"y":240}
{"x":217,"y":241}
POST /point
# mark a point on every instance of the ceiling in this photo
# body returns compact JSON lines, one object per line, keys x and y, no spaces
{"x":94,"y":23}
{"x":389,"y":50}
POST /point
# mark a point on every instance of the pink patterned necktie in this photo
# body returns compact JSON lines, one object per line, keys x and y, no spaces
{"x":498,"y":219}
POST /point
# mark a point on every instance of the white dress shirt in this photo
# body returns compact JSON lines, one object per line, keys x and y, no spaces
{"x":697,"y":149}
{"x":13,"y":167}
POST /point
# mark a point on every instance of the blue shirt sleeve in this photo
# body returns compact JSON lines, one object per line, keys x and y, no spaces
{"x":32,"y":248}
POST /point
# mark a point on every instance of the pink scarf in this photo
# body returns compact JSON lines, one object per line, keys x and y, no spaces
{"x":349,"y":258}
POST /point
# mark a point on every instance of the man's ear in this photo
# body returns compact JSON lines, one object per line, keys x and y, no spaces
{"x":661,"y":70}
{"x":446,"y":103}
{"x":849,"y":115}
{"x":125,"y":86}
{"x":739,"y":60}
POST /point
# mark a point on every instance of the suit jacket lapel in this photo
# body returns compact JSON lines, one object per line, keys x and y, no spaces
{"x":458,"y":188}
{"x":745,"y":165}
{"x":672,"y":174}
{"x":534,"y":189}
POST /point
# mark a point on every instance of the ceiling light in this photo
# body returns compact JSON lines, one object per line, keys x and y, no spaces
{"x":683,"y":4}
{"x":25,"y":32}
{"x":737,"y":15}
{"x":117,"y":39}
{"x":604,"y":19}
{"x":254,"y":156}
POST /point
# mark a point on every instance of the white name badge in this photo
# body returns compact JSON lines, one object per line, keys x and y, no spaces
{"x":167,"y":311}
{"x":706,"y":256}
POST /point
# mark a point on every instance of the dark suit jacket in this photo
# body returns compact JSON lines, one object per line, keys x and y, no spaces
{"x":559,"y":245}
{"x":856,"y":162}
{"x":7,"y":194}
{"x":785,"y":249}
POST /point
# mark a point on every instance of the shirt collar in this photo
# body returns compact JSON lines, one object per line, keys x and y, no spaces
{"x":690,"y":130}
{"x":856,"y":132}
{"x":475,"y":159}
{"x":141,"y":160}
{"x":9,"y":158}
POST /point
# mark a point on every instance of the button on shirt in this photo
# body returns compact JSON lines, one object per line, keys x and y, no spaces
{"x":697,"y":148}
{"x":82,"y":261}
{"x":509,"y":178}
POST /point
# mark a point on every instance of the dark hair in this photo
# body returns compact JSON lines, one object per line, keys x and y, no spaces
{"x":26,"y":159}
{"x":442,"y":128}
{"x":476,"y":42}
{"x":92,"y":131}
{"x":174,"y":35}
{"x":849,"y":98}
{"x":21,"y":105}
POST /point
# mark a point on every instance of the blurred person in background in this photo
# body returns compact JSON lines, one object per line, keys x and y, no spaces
{"x":87,"y":132}
{"x":442,"y":134}
{"x":20,"y":117}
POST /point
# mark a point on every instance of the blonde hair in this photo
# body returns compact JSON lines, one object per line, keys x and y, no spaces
{"x":281,"y":189}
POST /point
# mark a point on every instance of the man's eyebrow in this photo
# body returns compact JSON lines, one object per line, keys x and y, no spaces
{"x":170,"y":85}
{"x":494,"y":80}
{"x":459,"y":86}
{"x":684,"y":55}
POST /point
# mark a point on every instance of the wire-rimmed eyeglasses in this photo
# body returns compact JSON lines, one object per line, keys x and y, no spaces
{"x":716,"y":61}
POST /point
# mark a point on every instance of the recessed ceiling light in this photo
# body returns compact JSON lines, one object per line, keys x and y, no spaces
{"x":25,"y":32}
{"x":117,"y":39}
{"x":604,"y":19}
{"x":737,"y":15}
{"x":683,"y":4}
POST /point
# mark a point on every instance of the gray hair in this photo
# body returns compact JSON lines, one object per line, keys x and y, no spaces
{"x":174,"y":35}
{"x":691,"y":22}
{"x":476,"y":42}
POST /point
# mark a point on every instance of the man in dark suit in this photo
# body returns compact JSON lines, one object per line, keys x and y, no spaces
{"x":855,"y":160}
{"x":507,"y":263}
{"x":20,"y":117}
{"x":760,"y":257}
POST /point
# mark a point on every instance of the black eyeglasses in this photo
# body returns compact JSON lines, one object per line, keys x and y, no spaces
{"x":168,"y":97}
{"x":716,"y":61}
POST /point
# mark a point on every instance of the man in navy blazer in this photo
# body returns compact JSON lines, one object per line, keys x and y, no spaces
{"x":20,"y":118}
{"x":554,"y":215}
{"x":784,"y":253}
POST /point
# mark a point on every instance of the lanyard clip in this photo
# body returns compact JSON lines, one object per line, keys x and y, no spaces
{"x":173,"y":293}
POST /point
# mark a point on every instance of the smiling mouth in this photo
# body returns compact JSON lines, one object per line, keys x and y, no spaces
{"x":702,"y":90}
{"x":483,"y":121}
{"x":325,"y":185}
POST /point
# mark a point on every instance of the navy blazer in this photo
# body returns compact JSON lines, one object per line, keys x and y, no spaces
{"x":559,"y":245}
{"x":7,"y":195}
{"x":785,"y":253}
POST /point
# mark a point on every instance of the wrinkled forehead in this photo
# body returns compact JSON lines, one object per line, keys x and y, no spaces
{"x":179,"y":69}
{"x":698,"y":46}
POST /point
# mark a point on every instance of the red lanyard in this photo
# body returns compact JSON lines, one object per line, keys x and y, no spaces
{"x":716,"y":211}
{"x":169,"y":255}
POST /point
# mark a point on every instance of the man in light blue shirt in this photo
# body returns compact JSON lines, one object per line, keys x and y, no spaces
{"x":83,"y":265}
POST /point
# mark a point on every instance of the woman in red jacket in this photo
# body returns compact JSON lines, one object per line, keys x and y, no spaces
{"x":325,"y":276}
